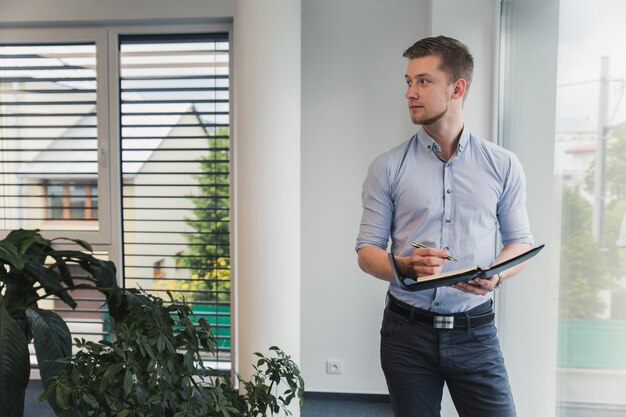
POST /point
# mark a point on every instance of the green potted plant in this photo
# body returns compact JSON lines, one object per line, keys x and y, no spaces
{"x":31,"y":271}
{"x":154,"y":368}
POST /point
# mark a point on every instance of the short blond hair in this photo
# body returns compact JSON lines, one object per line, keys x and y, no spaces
{"x":456,"y":58}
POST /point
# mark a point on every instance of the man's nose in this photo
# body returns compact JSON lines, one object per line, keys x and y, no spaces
{"x":411,"y":93}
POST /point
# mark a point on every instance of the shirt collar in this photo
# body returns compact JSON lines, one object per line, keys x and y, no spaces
{"x":430,"y":145}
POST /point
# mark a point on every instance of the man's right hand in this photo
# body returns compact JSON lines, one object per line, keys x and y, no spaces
{"x":422,"y":262}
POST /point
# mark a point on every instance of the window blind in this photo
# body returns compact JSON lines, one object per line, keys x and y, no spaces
{"x":48,"y":137}
{"x":175,"y":150}
{"x":48,"y":155}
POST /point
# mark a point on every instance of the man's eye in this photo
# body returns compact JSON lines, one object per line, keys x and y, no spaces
{"x":423,"y":82}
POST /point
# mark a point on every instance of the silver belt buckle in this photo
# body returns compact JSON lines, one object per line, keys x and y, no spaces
{"x":443,"y":322}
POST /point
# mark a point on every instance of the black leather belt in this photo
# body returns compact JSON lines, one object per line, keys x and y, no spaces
{"x":438,"y":321}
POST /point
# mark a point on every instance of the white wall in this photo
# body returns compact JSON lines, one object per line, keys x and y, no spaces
{"x":41,"y":12}
{"x":451,"y":18}
{"x":267,"y":184}
{"x":353,"y":109}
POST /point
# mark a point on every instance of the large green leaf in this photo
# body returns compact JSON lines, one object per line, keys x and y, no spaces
{"x":14,"y":363}
{"x":9,"y":254}
{"x":24,"y":239}
{"x":19,"y":294}
{"x":64,"y":258}
{"x":87,"y":261}
{"x":73,"y":254}
{"x":126,"y":300}
{"x":19,"y":236}
{"x":53,"y":342}
{"x":79,"y":242}
{"x":50,"y":281}
{"x":52,"y":339}
{"x":64,"y":270}
{"x":105,"y":274}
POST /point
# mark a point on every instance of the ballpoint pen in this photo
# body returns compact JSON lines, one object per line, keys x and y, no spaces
{"x":421,"y":245}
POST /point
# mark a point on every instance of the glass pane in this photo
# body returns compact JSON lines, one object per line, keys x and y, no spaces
{"x":93,"y":203}
{"x":590,"y":164}
{"x":55,"y":202}
{"x":176,"y":170}
{"x":77,"y":201}
{"x":47,"y":133}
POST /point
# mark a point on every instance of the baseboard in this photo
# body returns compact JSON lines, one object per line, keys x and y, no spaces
{"x":571,"y":405}
{"x":344,"y":396}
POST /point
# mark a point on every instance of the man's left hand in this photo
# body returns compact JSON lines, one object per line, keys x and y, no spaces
{"x":479,"y":286}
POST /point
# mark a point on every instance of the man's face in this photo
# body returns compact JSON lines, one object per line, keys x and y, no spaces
{"x":428,"y":90}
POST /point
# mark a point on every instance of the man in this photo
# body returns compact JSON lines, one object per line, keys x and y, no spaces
{"x":452,"y":192}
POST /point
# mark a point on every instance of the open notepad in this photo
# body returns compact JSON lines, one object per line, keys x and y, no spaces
{"x":458,"y":275}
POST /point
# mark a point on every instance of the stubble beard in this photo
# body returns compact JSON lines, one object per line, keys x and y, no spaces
{"x":430,"y":120}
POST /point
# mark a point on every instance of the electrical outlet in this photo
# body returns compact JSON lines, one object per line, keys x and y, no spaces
{"x":334,"y":366}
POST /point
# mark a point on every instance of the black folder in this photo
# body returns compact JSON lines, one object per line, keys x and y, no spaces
{"x":458,"y":275}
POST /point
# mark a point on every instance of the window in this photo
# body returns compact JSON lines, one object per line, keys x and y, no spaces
{"x":590,"y":164}
{"x":566,"y":119}
{"x":71,"y":201}
{"x":48,"y":136}
{"x":122,"y":131}
{"x":175,"y":157}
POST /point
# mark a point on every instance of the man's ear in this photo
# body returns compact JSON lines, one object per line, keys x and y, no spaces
{"x":460,"y":88}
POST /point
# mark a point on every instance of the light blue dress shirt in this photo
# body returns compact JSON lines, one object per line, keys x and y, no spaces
{"x":412,"y":194}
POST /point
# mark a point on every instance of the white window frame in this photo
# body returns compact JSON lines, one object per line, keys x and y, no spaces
{"x":113,"y":34}
{"x":108,"y":237}
{"x":102,"y":236}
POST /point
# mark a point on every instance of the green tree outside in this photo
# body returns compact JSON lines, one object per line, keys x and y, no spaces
{"x":581,"y":280}
{"x":208,"y":251}
{"x":588,"y":268}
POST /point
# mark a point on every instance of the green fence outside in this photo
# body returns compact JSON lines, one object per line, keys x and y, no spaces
{"x":218,"y":317}
{"x":597,"y":344}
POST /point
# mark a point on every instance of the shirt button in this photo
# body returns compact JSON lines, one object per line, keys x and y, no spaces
{"x":448,"y":191}
{"x":448,"y":220}
{"x":447,"y":248}
{"x":436,"y":304}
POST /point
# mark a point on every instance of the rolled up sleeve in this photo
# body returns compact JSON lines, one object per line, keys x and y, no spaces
{"x":512,"y":213}
{"x":377,"y":207}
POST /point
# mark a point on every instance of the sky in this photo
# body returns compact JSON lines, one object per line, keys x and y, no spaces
{"x":588,"y":30}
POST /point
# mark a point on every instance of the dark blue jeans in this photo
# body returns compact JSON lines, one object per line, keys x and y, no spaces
{"x":417,"y":359}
